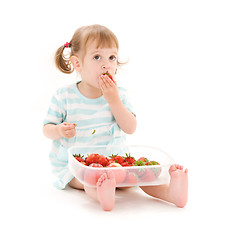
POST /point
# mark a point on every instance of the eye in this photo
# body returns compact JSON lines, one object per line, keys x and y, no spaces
{"x":96,"y":57}
{"x":112,"y":58}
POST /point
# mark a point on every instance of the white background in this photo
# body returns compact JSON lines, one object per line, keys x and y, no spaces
{"x":180,"y":80}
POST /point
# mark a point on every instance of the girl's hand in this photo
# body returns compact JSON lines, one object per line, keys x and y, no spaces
{"x":66,"y":130}
{"x":109,"y":89}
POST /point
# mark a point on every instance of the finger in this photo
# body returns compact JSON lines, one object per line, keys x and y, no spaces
{"x":108,"y":81}
{"x":102,"y":83}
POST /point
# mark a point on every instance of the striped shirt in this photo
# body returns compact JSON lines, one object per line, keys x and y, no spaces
{"x":96,"y":125}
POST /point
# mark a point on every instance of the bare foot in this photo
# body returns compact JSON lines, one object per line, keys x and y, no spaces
{"x":178,"y":188}
{"x":106,"y":187}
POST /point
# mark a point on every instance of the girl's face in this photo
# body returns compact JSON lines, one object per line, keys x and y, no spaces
{"x":96,"y":62}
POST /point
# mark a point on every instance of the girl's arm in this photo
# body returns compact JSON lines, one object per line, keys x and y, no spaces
{"x":124,"y":118}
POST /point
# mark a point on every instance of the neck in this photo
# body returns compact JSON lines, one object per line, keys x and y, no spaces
{"x":89,"y":91}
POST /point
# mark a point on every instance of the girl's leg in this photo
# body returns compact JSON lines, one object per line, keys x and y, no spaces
{"x":103,"y":193}
{"x":176,"y":192}
{"x":74,"y":183}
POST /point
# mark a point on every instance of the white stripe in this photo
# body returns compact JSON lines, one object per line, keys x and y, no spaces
{"x":93,"y":142}
{"x":56,"y":108}
{"x":88,"y":133}
{"x":94,"y":126}
{"x":97,"y":115}
{"x":86,"y":106}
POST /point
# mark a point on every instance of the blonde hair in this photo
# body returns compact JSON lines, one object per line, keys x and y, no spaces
{"x":102,"y":35}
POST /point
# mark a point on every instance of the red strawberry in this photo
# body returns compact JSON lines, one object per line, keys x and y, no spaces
{"x":119,"y":172}
{"x":84,"y":163}
{"x":95,"y":165}
{"x":148,"y":176}
{"x":79,"y":157}
{"x":102,"y":160}
{"x":117,"y":159}
{"x":126,"y":164}
{"x":131,"y":178}
{"x":152,"y":163}
{"x":129,"y":159}
{"x":108,"y":74}
{"x":109,"y":161}
{"x":93,"y":158}
{"x":143,"y":159}
{"x":140,"y":172}
{"x":156,"y":171}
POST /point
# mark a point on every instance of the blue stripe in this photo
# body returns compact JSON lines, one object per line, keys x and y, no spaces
{"x":87,"y":111}
{"x":65,"y":90}
{"x":57,"y":103}
{"x":56,"y":143}
{"x":55,"y":113}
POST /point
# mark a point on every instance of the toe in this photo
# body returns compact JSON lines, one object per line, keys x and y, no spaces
{"x":99,"y":182}
{"x":102,"y":177}
{"x":179,"y":167}
{"x":172,"y":168}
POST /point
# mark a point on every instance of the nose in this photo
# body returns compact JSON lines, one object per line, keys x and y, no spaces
{"x":105,"y":65}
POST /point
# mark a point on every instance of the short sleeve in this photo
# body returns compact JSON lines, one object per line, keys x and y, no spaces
{"x":56,"y":112}
{"x":125,"y":100}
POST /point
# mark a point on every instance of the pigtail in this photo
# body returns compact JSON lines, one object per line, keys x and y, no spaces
{"x":62,"y":61}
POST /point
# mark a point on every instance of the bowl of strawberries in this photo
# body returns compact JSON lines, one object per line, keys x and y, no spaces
{"x":134,"y":165}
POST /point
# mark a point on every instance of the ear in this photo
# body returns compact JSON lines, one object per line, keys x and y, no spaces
{"x":76,"y":62}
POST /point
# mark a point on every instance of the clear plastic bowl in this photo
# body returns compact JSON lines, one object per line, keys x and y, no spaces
{"x":125,"y":176}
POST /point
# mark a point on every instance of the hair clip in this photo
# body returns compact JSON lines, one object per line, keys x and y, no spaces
{"x":67,"y":44}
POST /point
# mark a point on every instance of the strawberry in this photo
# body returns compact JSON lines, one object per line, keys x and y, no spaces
{"x":131,"y":178}
{"x":79,"y":157}
{"x":152,"y":163}
{"x":156,"y":171}
{"x":118,"y":172}
{"x":110,"y":160}
{"x":125,"y":164}
{"x":129,"y":159}
{"x":102,"y":160}
{"x":143,"y":159}
{"x":95,"y":165}
{"x":117,"y":158}
{"x":148,"y":176}
{"x":139,"y":163}
{"x":93,"y":158}
{"x":109,"y":75}
{"x":140,"y":172}
{"x":84,"y":163}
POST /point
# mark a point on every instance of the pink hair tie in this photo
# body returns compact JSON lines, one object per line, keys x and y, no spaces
{"x":67,"y":44}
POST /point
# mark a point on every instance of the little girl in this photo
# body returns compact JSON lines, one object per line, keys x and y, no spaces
{"x":96,"y":111}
